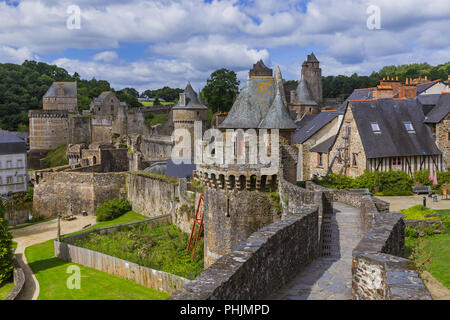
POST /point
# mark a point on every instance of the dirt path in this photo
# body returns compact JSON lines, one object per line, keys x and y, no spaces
{"x":437,"y":290}
{"x":400,"y":203}
{"x":36,"y":234}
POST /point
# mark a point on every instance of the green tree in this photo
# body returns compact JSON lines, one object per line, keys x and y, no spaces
{"x":221,"y":90}
{"x":6,"y":255}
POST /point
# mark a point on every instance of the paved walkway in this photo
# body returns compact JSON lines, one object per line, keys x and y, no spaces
{"x":329,"y":277}
{"x":38,"y":233}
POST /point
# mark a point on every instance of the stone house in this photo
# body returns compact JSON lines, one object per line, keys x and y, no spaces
{"x":383,"y":135}
{"x":439,"y":121}
{"x":314,"y":138}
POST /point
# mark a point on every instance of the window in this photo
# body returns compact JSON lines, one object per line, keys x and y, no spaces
{"x":409,"y":127}
{"x":396,"y":162}
{"x":9,"y":180}
{"x":375,"y":127}
{"x":1,"y":182}
{"x":19,"y":179}
{"x":9,"y":164}
{"x":320,"y":159}
{"x":355,"y":160}
{"x":19,"y":163}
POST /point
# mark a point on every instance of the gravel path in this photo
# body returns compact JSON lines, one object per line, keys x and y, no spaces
{"x":38,"y":233}
{"x":329,"y":277}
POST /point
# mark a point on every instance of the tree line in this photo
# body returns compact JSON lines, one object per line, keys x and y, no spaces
{"x":23,"y":86}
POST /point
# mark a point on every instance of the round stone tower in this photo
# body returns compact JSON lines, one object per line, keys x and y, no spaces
{"x":188,"y":110}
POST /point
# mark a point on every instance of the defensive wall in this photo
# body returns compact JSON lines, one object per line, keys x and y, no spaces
{"x":378,"y":273}
{"x":269,"y":257}
{"x":156,"y":279}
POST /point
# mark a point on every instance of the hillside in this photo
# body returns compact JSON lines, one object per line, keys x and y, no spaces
{"x":22,"y":88}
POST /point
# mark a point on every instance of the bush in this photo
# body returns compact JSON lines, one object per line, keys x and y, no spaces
{"x":391,"y":182}
{"x":112,"y":209}
{"x":6,"y":254}
{"x":410,"y":232}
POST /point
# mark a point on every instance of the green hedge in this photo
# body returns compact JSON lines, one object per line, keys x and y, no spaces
{"x":112,"y":209}
{"x":383,"y":183}
{"x":6,"y":254}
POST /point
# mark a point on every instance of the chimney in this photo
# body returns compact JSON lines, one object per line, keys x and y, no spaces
{"x":60,"y":92}
{"x":182,"y":101}
{"x":293,"y":96}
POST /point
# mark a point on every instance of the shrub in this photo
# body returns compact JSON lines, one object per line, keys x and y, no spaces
{"x":6,"y":255}
{"x":391,"y":182}
{"x":428,"y":231}
{"x":112,"y":209}
{"x":410,"y":232}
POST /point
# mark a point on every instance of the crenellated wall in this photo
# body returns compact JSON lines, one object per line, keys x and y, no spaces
{"x":260,"y":264}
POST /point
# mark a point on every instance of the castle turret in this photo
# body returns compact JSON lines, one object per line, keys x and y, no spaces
{"x":312,"y":74}
{"x":188,"y":110}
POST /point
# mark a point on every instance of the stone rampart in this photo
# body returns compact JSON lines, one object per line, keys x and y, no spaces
{"x":261,"y":264}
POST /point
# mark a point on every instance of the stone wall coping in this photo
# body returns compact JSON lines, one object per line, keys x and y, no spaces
{"x":216,"y":282}
{"x":77,"y":236}
{"x":19,"y":281}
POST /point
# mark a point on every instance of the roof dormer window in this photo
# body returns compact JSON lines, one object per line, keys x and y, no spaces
{"x":375,"y":127}
{"x":409,"y":127}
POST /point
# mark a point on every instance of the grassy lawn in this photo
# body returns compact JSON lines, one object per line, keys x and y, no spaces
{"x":432,"y":253}
{"x":95,"y":285}
{"x":158,"y":247}
{"x":154,"y":119}
{"x":56,"y":157}
{"x":418,"y":212}
{"x":5,"y":289}
{"x":150,"y":103}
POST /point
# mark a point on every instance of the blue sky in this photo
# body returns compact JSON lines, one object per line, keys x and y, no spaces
{"x":150,"y":44}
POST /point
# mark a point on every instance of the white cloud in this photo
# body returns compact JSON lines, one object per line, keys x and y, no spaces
{"x":191,"y":38}
{"x":19,"y":55}
{"x":106,"y":56}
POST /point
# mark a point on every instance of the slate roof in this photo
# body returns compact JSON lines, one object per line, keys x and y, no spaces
{"x":70,"y":90}
{"x":312,"y":57}
{"x":318,"y":122}
{"x":192,"y":101}
{"x":422,"y":87}
{"x":441,"y":109}
{"x":278,"y":116}
{"x":158,"y":167}
{"x":179,"y":170}
{"x":260,"y":69}
{"x":361,"y":94}
{"x":325,"y":146}
{"x":10,"y":144}
{"x":393,"y":139}
{"x":304,"y":120}
{"x":303,"y":95}
{"x":428,"y":99}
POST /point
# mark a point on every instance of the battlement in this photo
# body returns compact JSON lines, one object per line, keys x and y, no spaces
{"x":236,"y":180}
{"x":48,"y":114}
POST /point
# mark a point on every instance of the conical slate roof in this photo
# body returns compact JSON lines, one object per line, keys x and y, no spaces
{"x":304,"y":95}
{"x":278,"y":116}
{"x":243,"y":113}
{"x":312,"y":57}
{"x":279,"y":81}
{"x":192,"y":101}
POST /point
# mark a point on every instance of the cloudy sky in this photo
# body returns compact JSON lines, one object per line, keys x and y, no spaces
{"x":149,"y":44}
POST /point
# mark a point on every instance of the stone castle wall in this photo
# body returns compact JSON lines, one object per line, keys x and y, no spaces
{"x":443,"y":141}
{"x":156,"y":148}
{"x":74,"y":192}
{"x":48,"y":129}
{"x":259,"y":265}
{"x":60,"y":103}
{"x":231,"y":217}
{"x":153,"y":195}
